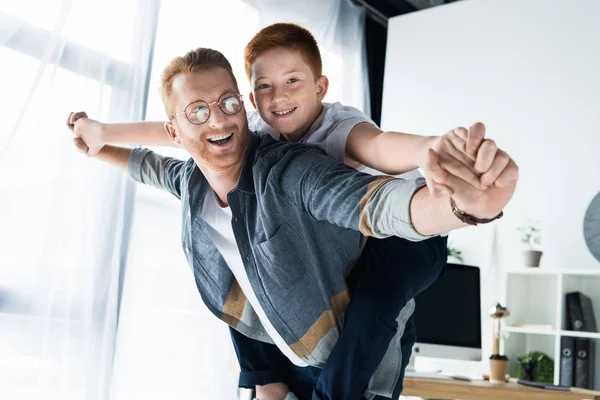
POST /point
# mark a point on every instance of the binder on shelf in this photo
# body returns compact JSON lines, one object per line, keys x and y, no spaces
{"x":567,"y":361}
{"x":580,"y":313}
{"x":584,"y":363}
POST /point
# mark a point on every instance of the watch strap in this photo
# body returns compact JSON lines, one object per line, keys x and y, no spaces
{"x":469,"y":219}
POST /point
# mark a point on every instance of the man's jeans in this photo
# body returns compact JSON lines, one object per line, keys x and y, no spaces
{"x":390,"y":272}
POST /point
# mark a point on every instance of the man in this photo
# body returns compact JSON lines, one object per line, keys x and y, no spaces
{"x":272,"y":229}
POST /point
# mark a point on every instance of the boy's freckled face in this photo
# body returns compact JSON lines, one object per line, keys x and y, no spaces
{"x":286,"y":92}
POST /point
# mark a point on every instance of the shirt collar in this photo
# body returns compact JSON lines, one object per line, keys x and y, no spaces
{"x":246,"y":182}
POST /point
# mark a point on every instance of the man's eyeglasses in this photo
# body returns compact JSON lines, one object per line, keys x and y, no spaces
{"x":198,"y":112}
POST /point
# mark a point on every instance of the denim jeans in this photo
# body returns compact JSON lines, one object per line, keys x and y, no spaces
{"x":389,"y":273}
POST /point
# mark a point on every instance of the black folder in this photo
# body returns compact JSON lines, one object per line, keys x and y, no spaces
{"x":567,"y":357}
{"x":580,"y":313}
{"x":584,"y":363}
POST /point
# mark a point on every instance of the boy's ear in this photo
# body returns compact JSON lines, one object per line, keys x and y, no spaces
{"x":251,"y":97}
{"x":322,"y":86}
{"x":172,"y":132}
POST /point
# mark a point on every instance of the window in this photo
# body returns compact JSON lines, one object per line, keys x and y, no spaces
{"x":59,"y":261}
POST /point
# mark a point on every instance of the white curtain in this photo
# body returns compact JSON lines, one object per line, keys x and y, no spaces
{"x":63,"y":218}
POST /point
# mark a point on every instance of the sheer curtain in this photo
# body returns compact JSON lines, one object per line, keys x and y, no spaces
{"x":65,"y":221}
{"x":63,"y":218}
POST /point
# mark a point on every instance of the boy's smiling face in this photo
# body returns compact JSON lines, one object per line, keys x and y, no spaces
{"x":286,"y":92}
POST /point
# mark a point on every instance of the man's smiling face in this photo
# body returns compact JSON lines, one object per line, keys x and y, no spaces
{"x":220,"y":142}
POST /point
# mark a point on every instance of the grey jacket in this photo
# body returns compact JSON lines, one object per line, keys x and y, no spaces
{"x":300,"y":221}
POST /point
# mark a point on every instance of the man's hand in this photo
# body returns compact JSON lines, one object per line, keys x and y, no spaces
{"x":88,"y":132}
{"x":497,"y":173}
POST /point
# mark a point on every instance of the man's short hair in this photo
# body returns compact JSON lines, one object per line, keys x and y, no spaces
{"x":200,"y":59}
{"x":288,"y":36}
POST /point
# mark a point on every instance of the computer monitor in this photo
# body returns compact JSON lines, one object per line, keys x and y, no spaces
{"x":448,"y":316}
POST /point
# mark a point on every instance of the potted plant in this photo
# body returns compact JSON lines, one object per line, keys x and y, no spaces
{"x":453,"y":253}
{"x":531,"y":236}
{"x":535,"y":366}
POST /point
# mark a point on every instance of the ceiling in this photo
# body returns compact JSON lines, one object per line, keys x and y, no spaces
{"x":391,"y":8}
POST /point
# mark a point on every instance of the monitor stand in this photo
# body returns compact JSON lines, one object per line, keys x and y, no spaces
{"x":411,"y":363}
{"x":426,"y":375}
{"x":411,"y":372}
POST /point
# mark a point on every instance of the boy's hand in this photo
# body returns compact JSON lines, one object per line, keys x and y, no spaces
{"x":88,"y":133}
{"x":490,"y":161}
{"x":452,"y":157}
{"x":497,"y":170}
{"x":466,"y":154}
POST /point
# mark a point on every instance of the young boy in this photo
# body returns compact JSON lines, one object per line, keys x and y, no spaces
{"x":284,"y":67}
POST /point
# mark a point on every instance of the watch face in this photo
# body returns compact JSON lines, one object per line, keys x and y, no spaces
{"x":591,"y":227}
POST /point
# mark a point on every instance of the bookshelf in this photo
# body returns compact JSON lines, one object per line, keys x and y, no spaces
{"x":535,"y":297}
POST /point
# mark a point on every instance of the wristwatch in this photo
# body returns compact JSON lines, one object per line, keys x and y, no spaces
{"x":469,"y":219}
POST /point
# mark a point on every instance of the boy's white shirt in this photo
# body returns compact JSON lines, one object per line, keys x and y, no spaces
{"x":330,"y":132}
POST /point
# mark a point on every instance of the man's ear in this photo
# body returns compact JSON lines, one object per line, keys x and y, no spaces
{"x":172,"y":132}
{"x":322,"y":86}
{"x":251,"y":97}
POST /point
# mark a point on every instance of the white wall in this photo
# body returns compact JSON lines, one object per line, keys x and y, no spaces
{"x":530,"y":70}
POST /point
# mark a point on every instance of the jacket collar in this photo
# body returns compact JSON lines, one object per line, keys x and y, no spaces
{"x":246,"y":181}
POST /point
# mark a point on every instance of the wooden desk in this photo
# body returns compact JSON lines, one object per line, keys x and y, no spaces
{"x":480,"y":390}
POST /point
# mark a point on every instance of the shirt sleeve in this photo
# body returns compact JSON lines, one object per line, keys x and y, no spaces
{"x":152,"y":169}
{"x":342,"y":119}
{"x":256,"y":124}
{"x":330,"y":191}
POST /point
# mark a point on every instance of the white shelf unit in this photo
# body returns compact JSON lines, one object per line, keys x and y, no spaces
{"x":536,"y":297}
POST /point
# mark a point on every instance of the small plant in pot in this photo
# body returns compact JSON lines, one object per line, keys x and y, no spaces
{"x":531,"y":236}
{"x":454,"y":255}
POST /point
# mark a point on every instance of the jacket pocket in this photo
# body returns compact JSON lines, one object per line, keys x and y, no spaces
{"x":283,"y":257}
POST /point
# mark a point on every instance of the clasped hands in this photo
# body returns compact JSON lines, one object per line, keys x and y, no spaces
{"x":472,"y":170}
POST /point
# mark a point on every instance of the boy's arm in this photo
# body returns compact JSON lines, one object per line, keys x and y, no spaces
{"x":96,"y":134}
{"x":394,"y":153}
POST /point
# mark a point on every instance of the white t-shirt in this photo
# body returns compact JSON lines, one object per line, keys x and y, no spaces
{"x":330,"y":132}
{"x":220,"y":230}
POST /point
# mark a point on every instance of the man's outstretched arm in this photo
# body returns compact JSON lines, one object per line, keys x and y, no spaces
{"x":143,"y":166}
{"x":115,"y":156}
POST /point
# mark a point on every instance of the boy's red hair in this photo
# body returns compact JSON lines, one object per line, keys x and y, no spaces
{"x":288,"y":36}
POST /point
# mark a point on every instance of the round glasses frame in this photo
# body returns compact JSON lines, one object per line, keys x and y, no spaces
{"x":219,"y":102}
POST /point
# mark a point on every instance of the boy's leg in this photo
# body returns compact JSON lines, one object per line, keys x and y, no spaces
{"x":263,"y":364}
{"x":302,"y":380}
{"x":391,"y":272}
{"x":260,"y":363}
{"x":408,"y":339}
